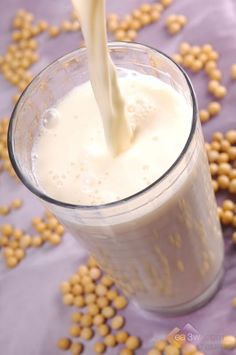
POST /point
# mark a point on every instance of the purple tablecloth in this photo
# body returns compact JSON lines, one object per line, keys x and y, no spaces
{"x":32,"y":316}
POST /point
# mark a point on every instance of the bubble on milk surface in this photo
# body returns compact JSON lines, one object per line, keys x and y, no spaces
{"x":58,"y":179}
{"x":140,"y":111}
{"x":87,"y":180}
{"x":50,"y":118}
{"x":55,"y":177}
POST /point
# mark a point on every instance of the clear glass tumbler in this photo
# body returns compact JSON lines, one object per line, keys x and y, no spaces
{"x":163,"y":246}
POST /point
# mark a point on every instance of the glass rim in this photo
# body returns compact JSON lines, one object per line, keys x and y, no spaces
{"x":51,"y":200}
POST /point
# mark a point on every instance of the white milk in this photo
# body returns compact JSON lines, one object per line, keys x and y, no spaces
{"x":164,"y":247}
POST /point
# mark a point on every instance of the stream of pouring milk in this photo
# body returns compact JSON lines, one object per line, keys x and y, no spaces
{"x":103,"y":74}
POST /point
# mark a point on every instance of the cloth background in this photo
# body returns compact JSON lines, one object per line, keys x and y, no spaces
{"x":32,"y":316}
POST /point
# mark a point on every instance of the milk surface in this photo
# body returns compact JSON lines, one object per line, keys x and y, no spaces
{"x":75,"y":165}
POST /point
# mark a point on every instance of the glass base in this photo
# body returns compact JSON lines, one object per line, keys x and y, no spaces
{"x":189,"y":306}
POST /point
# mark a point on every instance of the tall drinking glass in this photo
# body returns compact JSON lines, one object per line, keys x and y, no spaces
{"x":163,"y":245}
